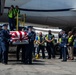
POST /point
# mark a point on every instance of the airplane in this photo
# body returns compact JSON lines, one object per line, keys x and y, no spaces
{"x":57,"y":13}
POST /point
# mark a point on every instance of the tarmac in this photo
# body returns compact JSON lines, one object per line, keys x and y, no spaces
{"x":39,"y":67}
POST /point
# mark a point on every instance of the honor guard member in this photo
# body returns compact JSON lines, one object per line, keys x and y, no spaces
{"x":30,"y":46}
{"x":0,"y":44}
{"x":50,"y":46}
{"x":64,"y":46}
{"x":74,"y":43}
{"x":5,"y":38}
{"x":40,"y":41}
{"x":22,"y":47}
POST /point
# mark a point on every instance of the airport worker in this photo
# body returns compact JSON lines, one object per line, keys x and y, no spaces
{"x":50,"y":46}
{"x":70,"y":45}
{"x":17,"y":10}
{"x":64,"y":46}
{"x":30,"y":46}
{"x":40,"y":41}
{"x":0,"y":44}
{"x":5,"y":38}
{"x":11,"y":17}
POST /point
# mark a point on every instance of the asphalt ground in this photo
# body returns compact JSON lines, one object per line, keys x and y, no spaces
{"x":39,"y":67}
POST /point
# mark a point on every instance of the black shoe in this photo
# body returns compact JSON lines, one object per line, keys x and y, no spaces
{"x":49,"y":57}
{"x":4,"y":63}
{"x":53,"y":57}
{"x":30,"y":63}
{"x":60,"y":58}
{"x":43,"y":57}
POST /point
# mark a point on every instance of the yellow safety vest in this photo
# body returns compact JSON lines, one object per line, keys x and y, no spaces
{"x":47,"y":37}
{"x":17,"y":11}
{"x":42,"y":39}
{"x":10,"y":14}
{"x":60,"y":40}
{"x":70,"y":39}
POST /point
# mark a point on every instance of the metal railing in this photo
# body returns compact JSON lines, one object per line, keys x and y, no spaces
{"x":20,"y":20}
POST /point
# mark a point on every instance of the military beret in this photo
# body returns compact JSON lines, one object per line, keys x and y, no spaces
{"x":29,"y":27}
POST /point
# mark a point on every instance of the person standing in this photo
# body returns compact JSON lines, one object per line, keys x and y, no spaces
{"x":0,"y":45}
{"x":59,"y":44}
{"x":11,"y":17}
{"x":23,"y":50}
{"x":16,"y":12}
{"x":70,"y":45}
{"x":74,"y":43}
{"x":30,"y":46}
{"x":64,"y":46}
{"x":50,"y":46}
{"x":5,"y":38}
{"x":40,"y":41}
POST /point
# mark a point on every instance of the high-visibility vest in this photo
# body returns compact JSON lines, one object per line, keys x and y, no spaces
{"x":49,"y":37}
{"x":11,"y":14}
{"x":42,"y":39}
{"x":60,"y":40}
{"x":17,"y":11}
{"x":70,"y":39}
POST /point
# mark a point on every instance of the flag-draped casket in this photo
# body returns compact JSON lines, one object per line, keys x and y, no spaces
{"x":19,"y":37}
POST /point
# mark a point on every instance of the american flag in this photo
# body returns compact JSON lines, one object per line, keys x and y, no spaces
{"x":18,"y":35}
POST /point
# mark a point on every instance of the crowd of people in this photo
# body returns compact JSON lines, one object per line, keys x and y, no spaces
{"x":66,"y":44}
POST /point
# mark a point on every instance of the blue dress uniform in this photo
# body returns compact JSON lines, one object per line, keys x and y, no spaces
{"x":64,"y":47}
{"x":0,"y":45}
{"x":29,"y":47}
{"x":5,"y":37}
{"x":23,"y":52}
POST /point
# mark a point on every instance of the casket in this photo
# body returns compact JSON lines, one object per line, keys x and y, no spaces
{"x":18,"y":37}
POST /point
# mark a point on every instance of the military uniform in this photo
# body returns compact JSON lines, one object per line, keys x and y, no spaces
{"x":18,"y":51}
{"x":0,"y":46}
{"x":74,"y":43}
{"x":64,"y":46}
{"x":29,"y":47}
{"x":5,"y":37}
